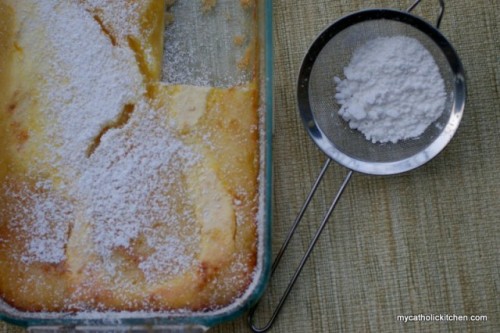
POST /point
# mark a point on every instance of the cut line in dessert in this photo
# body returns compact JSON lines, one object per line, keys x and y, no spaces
{"x":121,"y":121}
{"x":105,"y":30}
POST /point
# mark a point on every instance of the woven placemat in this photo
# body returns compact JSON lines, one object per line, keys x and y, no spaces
{"x":421,"y":243}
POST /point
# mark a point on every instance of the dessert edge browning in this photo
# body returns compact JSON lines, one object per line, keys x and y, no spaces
{"x":60,"y":250}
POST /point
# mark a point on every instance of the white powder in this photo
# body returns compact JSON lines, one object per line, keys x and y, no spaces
{"x":48,"y":214}
{"x":87,"y":89}
{"x":121,"y":17}
{"x":130,"y":183}
{"x":392,"y":91}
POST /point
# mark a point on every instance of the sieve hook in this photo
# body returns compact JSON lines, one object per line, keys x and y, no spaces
{"x":440,"y":15}
{"x":309,"y":250}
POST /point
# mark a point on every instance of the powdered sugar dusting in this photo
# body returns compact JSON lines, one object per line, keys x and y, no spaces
{"x":123,"y":16}
{"x":117,"y":214}
{"x":89,"y":75}
{"x":127,"y":182}
{"x":45,"y":215}
{"x":170,"y":258}
{"x":122,"y":188}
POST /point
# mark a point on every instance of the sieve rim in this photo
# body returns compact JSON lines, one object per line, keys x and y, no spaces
{"x":329,"y":147}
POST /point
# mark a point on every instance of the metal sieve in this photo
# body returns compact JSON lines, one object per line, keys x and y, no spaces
{"x":330,"y":52}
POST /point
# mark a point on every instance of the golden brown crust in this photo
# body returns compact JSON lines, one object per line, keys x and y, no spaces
{"x":51,"y":247}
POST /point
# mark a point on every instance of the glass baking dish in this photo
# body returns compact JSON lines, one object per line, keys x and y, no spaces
{"x":215,"y":25}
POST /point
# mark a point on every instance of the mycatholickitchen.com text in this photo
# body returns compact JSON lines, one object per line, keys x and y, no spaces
{"x":441,"y":317}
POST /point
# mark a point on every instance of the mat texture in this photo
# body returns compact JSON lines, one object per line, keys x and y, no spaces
{"x":425,"y":242}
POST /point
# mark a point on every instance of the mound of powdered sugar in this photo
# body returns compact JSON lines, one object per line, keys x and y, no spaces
{"x":392,"y":89}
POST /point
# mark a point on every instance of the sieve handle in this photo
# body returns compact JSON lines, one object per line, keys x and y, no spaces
{"x":308,"y":252}
{"x":440,"y":15}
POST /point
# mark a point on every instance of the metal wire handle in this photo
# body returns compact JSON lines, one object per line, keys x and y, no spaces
{"x":440,"y":15}
{"x":320,"y":229}
{"x":309,"y":249}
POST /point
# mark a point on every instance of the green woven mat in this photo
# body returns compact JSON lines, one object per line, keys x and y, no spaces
{"x":425,"y":242}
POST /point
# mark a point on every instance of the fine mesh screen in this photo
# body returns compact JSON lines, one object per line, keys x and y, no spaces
{"x":331,"y":60}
